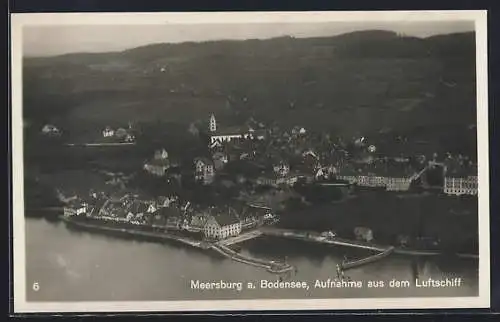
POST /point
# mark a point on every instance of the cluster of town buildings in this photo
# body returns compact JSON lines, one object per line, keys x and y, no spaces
{"x":271,"y":157}
{"x":168,"y":213}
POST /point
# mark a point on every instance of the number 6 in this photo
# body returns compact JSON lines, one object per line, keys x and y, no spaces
{"x":36,"y":287}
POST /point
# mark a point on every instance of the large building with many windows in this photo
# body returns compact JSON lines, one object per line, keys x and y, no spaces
{"x":222,"y":223}
{"x":466,"y":185}
{"x":460,"y":178}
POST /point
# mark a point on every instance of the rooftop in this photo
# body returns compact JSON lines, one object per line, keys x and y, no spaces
{"x":159,"y":162}
{"x":224,"y":215}
{"x":168,"y":212}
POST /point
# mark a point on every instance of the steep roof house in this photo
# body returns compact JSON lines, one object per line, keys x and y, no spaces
{"x":204,"y":170}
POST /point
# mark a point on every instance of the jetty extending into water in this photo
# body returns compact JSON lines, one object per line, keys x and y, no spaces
{"x":367,"y":260}
{"x":271,"y":266}
{"x":220,"y":247}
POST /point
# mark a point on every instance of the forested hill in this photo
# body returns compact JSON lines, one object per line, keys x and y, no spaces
{"x":355,"y":82}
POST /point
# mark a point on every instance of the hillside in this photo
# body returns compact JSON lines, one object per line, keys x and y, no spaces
{"x":352,"y":83}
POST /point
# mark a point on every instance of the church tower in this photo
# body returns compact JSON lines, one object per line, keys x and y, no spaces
{"x":213,"y":124}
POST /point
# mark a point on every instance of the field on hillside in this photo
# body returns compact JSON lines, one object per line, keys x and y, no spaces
{"x":353,"y":83}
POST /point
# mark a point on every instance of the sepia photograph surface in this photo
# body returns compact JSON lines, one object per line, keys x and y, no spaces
{"x":250,"y":161}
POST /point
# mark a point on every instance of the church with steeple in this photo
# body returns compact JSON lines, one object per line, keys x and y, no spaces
{"x":212,"y":124}
{"x":218,"y":136}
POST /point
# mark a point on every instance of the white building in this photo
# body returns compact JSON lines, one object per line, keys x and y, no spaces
{"x":108,"y":132}
{"x":226,"y":136}
{"x":75,"y":208}
{"x":461,"y":185}
{"x":230,"y":134}
{"x":222,"y":225}
{"x":204,"y":170}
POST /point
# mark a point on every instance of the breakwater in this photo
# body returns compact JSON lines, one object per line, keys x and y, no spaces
{"x":271,"y":266}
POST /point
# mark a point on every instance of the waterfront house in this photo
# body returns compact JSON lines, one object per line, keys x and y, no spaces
{"x":222,"y":223}
{"x":108,"y":132}
{"x":75,"y":208}
{"x":197,"y":222}
{"x":204,"y":170}
{"x":326,"y":172}
{"x":138,"y":209}
{"x":166,"y":217}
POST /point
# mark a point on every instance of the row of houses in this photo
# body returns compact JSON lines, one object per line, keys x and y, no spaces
{"x":216,"y":222}
{"x":375,"y":175}
{"x":457,"y":181}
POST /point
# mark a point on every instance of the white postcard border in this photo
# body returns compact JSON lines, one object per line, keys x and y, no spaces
{"x":20,"y":20}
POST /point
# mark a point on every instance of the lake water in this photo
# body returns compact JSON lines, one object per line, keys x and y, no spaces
{"x":71,"y":265}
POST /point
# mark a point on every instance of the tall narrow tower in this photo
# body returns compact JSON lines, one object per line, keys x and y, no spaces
{"x":213,"y":124}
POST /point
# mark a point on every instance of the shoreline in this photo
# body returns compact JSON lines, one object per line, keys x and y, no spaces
{"x":132,"y":232}
{"x":218,"y":247}
{"x":268,"y":231}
